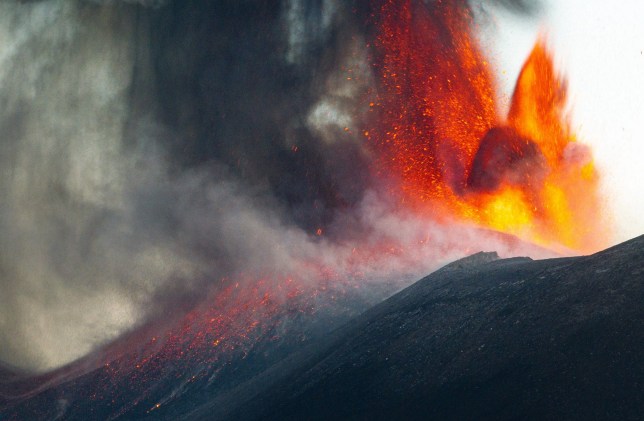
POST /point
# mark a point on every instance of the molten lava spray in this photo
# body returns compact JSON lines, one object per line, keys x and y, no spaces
{"x":439,"y":131}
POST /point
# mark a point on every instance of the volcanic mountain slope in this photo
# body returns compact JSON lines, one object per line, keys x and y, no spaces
{"x":481,"y":338}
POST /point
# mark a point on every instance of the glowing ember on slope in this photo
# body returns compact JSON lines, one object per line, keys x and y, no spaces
{"x":440,"y":133}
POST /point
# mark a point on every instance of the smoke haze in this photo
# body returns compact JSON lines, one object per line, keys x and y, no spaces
{"x":149,"y":149}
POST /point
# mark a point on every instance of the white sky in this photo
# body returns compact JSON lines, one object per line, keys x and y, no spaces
{"x":599,"y":46}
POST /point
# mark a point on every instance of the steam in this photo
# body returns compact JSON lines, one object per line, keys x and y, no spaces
{"x":77,"y":252}
{"x":148,"y":151}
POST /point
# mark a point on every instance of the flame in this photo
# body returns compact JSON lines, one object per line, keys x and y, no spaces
{"x":440,"y":133}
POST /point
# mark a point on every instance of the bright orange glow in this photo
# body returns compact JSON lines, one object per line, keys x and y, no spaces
{"x":538,"y":106}
{"x":454,"y":156}
{"x":507,"y":211}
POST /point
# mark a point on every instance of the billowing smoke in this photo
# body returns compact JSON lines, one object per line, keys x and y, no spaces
{"x":149,"y":149}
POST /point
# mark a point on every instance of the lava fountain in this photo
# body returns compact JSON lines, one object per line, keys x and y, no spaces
{"x":439,"y":131}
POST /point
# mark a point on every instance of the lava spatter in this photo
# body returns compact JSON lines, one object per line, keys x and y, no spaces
{"x":440,"y":136}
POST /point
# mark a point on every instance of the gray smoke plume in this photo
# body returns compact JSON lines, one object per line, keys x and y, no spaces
{"x":151,"y":148}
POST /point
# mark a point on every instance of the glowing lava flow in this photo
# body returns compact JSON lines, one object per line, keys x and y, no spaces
{"x":440,"y":133}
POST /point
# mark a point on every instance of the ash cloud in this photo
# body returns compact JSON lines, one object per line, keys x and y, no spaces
{"x":149,"y":149}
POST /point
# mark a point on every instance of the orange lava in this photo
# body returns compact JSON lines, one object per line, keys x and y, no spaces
{"x":440,"y":135}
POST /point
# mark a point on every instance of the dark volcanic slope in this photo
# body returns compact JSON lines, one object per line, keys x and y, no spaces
{"x":481,"y":338}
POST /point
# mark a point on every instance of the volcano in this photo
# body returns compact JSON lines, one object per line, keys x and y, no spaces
{"x":202,"y":200}
{"x":481,"y":338}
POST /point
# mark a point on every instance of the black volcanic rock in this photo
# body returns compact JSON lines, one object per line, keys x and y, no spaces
{"x":482,"y":338}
